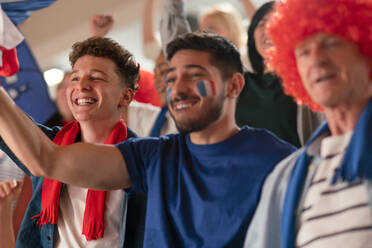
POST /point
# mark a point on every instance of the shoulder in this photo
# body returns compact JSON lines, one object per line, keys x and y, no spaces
{"x":264,"y":136}
{"x":49,"y":131}
{"x":145,"y":107}
{"x":151,"y":143}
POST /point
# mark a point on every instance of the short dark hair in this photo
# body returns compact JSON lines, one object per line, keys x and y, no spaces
{"x":127,"y":68}
{"x":224,"y":55}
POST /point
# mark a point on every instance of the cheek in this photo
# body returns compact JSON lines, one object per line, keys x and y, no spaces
{"x":257,"y":39}
{"x":206,"y":88}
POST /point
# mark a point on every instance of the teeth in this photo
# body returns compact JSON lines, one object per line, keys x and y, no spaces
{"x":182,"y":106}
{"x":84,"y":101}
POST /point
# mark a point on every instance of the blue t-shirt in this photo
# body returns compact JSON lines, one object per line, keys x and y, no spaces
{"x":201,"y":195}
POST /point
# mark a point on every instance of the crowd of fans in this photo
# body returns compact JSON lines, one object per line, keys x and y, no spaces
{"x":253,"y":135}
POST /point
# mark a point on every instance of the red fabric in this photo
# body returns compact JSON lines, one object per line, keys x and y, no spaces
{"x":146,"y":92}
{"x":93,"y":227}
{"x":10,"y":64}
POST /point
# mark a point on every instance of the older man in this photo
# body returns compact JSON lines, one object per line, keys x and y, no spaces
{"x":321,"y":195}
{"x":203,"y":184}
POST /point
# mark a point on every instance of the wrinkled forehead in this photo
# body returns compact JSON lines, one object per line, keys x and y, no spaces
{"x":317,"y":38}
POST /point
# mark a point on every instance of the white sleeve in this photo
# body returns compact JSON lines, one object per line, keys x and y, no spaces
{"x":173,"y":22}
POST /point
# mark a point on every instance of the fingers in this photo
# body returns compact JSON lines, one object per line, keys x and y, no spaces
{"x":102,"y":20}
{"x":10,"y":188}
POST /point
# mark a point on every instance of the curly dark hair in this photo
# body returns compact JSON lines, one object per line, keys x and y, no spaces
{"x":223,"y":54}
{"x":127,"y":68}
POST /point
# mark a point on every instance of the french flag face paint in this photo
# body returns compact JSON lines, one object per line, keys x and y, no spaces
{"x":206,"y":88}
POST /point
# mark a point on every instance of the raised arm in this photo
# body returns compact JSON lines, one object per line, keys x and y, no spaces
{"x":173,"y":22}
{"x":85,"y":165}
{"x":151,"y":46}
{"x":249,"y":8}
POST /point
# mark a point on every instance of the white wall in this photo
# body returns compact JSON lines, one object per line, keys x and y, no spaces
{"x":51,"y":31}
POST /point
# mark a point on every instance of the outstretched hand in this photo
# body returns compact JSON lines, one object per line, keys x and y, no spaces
{"x":100,"y":25}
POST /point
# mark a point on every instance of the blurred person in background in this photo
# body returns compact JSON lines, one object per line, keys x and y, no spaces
{"x":263,"y":103}
{"x":144,"y":119}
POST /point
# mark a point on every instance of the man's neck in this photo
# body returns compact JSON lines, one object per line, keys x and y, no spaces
{"x":343,"y":119}
{"x":214,"y":133}
{"x":96,"y":131}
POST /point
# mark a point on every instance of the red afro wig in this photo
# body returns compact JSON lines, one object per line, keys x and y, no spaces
{"x":294,"y":20}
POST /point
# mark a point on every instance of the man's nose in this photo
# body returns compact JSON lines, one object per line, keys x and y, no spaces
{"x":318,"y":55}
{"x":84,"y":84}
{"x":180,"y":86}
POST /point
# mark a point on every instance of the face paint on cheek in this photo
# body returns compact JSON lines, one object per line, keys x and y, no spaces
{"x":206,"y":88}
{"x":168,"y":95}
{"x":165,"y":80}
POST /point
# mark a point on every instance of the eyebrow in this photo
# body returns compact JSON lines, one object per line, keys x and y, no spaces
{"x":190,"y":66}
{"x":91,"y":71}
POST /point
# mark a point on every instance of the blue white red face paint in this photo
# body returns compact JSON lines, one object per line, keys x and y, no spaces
{"x":206,"y":88}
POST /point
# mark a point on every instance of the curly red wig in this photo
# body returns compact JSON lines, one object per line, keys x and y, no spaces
{"x":294,"y":20}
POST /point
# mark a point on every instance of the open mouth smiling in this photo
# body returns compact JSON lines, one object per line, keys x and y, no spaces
{"x":85,"y":101}
{"x":183,"y":105}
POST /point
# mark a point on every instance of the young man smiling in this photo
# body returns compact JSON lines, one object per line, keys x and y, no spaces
{"x":321,"y":195}
{"x":101,"y":84}
{"x":203,"y":184}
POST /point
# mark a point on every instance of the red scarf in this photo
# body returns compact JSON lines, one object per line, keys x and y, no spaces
{"x":95,"y":202}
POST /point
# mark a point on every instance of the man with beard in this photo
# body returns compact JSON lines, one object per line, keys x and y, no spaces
{"x":202,"y":184}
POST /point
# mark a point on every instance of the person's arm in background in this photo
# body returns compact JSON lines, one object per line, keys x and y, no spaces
{"x":100,"y":167}
{"x":100,"y":25}
{"x":150,"y":44}
{"x":9,"y":190}
{"x":173,"y":22}
{"x":249,"y":8}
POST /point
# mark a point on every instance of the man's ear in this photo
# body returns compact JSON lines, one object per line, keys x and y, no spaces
{"x":235,"y":85}
{"x":126,"y":97}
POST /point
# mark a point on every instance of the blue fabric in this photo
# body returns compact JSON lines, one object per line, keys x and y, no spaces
{"x":357,"y":162}
{"x":201,"y":195}
{"x":29,"y":89}
{"x":155,"y":132}
{"x":19,"y":11}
